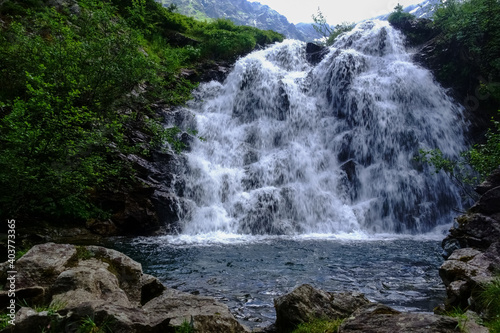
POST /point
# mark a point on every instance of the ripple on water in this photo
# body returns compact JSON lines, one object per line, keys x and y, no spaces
{"x":247,"y":274}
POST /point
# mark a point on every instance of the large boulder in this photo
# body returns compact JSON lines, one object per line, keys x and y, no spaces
{"x":305,"y":303}
{"x":378,"y":318}
{"x":78,"y":283}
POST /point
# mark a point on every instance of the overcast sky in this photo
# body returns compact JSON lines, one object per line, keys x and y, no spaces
{"x":335,"y":11}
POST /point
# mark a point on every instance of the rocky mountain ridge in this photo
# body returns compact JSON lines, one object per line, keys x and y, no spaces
{"x":241,"y":12}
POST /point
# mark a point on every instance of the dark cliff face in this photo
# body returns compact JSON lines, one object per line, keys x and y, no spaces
{"x":240,"y":12}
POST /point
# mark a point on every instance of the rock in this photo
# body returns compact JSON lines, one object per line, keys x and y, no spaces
{"x":491,"y":182}
{"x":91,"y":280}
{"x":306,"y":302}
{"x":205,"y":313}
{"x":463,"y":273}
{"x":416,"y":30}
{"x":315,"y":53}
{"x":474,"y":243}
{"x":81,"y":282}
{"x":151,"y":288}
{"x":378,"y":318}
{"x":488,"y":204}
{"x":474,"y":230}
{"x":103,"y":228}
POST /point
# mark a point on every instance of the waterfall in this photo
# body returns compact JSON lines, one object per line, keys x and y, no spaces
{"x":292,"y":148}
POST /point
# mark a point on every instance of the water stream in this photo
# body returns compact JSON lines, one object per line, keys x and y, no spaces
{"x":292,"y":148}
{"x":307,"y":175}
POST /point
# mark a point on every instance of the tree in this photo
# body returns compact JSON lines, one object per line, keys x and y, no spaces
{"x":320,"y":25}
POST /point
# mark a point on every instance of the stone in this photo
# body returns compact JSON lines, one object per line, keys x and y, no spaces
{"x":204,"y":313}
{"x":127,"y":271}
{"x":378,"y":318}
{"x":90,"y":280}
{"x":306,"y":302}
{"x":80,"y":282}
{"x":492,"y":181}
{"x":151,"y":288}
{"x":489,"y":203}
{"x":472,"y":249}
{"x":42,"y":264}
{"x":315,"y":53}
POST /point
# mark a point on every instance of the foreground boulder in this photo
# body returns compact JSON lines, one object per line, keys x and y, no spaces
{"x":472,"y":249}
{"x":359,"y":315}
{"x":78,"y":284}
{"x":305,"y":303}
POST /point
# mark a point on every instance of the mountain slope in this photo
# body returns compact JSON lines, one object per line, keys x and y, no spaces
{"x":241,"y":12}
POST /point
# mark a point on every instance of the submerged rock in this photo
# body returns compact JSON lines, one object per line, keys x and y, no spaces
{"x":75,"y":283}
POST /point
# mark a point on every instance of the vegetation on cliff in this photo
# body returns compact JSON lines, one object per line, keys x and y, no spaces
{"x":77,"y":77}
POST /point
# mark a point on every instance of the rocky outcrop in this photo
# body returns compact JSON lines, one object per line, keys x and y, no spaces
{"x":75,"y":283}
{"x":315,"y":53}
{"x":472,"y":248}
{"x":359,"y":315}
{"x":305,"y":303}
{"x":416,"y":30}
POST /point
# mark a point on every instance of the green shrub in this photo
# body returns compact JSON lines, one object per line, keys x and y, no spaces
{"x":319,"y":326}
{"x":490,"y":298}
{"x":399,"y":16}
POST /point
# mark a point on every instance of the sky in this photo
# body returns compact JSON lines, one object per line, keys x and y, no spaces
{"x":335,"y":11}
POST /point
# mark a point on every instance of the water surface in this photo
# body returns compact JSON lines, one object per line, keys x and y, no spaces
{"x":248,"y":273}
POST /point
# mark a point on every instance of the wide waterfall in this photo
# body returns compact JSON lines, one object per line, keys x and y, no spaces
{"x":292,"y":148}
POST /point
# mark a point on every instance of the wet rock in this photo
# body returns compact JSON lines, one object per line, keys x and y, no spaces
{"x":315,"y":53}
{"x":306,"y":302}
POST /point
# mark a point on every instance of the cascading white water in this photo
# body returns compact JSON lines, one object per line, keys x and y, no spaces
{"x":296,"y":149}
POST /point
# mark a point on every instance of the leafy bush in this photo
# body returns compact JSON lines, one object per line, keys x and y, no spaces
{"x":62,"y":85}
{"x":399,"y":16}
{"x":222,"y":39}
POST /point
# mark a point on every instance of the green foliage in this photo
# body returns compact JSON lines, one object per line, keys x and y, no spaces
{"x":486,"y":157}
{"x":73,"y":86}
{"x":339,"y":29}
{"x":398,"y":15}
{"x":4,"y":321}
{"x":58,"y":126}
{"x":490,"y":299}
{"x":83,"y":253}
{"x":222,"y":39}
{"x":474,"y":27}
{"x":88,"y":325}
{"x":63,"y":79}
{"x":324,"y":29}
{"x":320,"y":24}
{"x":483,"y":158}
{"x":319,"y":326}
{"x":186,"y":327}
